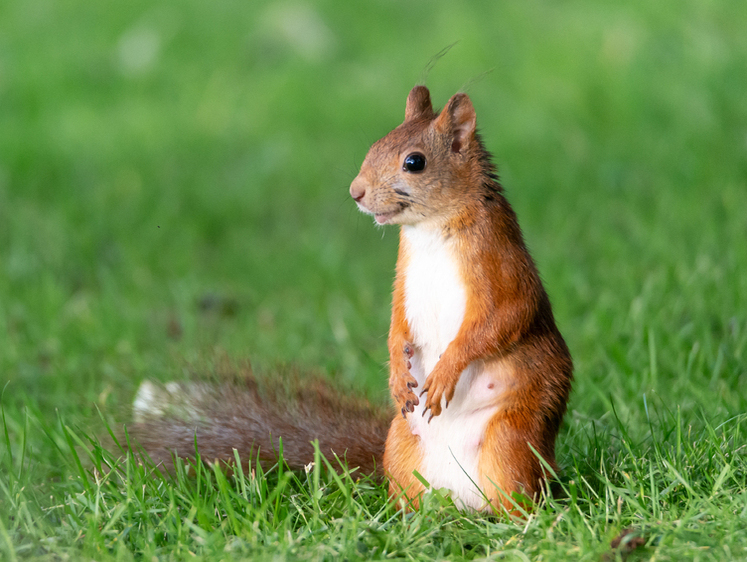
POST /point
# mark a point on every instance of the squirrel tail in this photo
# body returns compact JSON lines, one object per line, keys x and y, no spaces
{"x":253,"y":416}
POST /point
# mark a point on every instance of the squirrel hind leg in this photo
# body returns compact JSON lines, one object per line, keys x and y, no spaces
{"x":402,"y":457}
{"x":508,"y":464}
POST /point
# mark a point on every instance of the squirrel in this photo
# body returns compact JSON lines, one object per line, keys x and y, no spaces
{"x":478,"y":371}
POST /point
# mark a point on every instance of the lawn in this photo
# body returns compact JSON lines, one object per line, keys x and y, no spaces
{"x":173,"y":198}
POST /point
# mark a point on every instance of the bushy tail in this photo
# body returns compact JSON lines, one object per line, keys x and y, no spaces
{"x":252,"y":417}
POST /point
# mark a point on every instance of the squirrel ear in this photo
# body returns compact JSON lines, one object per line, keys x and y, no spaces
{"x":418,"y":104}
{"x":458,"y":120}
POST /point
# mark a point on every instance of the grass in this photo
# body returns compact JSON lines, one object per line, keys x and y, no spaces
{"x":173,"y":190}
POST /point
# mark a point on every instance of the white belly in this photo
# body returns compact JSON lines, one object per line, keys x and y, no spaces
{"x":435,"y":302}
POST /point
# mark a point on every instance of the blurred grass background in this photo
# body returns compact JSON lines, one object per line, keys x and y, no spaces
{"x":173,"y":187}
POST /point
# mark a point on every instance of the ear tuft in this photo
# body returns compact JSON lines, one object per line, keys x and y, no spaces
{"x":418,"y":104}
{"x":459,"y":120}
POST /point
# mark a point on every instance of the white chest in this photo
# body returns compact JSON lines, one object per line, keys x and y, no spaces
{"x":435,"y":298}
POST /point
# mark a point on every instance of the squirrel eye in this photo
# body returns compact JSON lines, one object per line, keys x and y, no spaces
{"x":414,"y":162}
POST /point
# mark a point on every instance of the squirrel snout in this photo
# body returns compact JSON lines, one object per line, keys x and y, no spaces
{"x":357,"y":190}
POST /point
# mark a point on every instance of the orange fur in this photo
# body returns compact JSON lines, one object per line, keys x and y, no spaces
{"x":402,"y":458}
{"x":399,"y":342}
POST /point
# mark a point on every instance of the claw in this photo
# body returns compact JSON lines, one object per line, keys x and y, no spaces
{"x":423,"y":392}
{"x":424,"y":411}
{"x":409,"y":365}
{"x":403,"y":413}
{"x":446,"y":405}
{"x":430,"y":418}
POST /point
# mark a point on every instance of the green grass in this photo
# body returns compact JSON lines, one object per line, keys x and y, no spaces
{"x":173,"y":191}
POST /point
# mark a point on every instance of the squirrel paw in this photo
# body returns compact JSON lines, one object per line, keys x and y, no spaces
{"x":401,"y":386}
{"x":401,"y":383}
{"x":437,"y":387}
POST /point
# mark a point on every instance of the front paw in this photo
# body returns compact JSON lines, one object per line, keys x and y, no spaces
{"x":401,"y":383}
{"x":437,"y":386}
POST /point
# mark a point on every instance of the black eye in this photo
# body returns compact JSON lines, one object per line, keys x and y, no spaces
{"x":414,"y":162}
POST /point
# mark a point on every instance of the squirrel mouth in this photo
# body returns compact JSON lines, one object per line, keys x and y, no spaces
{"x":386,"y":218}
{"x":380,"y":218}
{"x":383,"y":218}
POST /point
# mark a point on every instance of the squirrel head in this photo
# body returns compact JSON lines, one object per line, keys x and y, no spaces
{"x":428,"y":169}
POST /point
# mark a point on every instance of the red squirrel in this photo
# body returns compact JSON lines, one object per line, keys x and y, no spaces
{"x":479,"y":372}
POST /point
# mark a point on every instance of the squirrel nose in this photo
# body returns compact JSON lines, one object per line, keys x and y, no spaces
{"x":357,"y":190}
